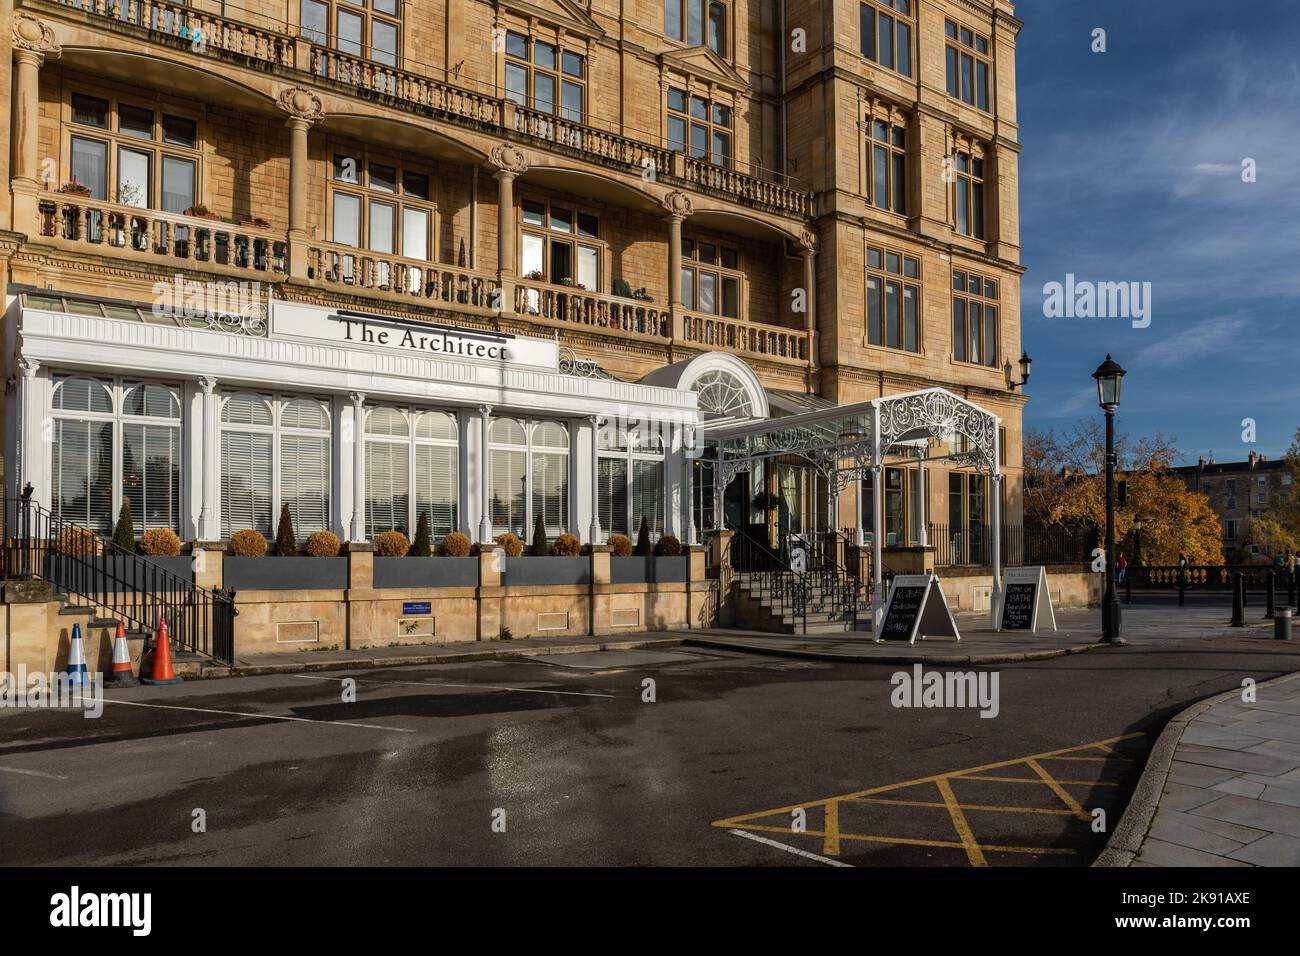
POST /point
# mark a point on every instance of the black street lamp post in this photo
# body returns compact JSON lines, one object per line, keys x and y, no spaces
{"x":1110,"y":378}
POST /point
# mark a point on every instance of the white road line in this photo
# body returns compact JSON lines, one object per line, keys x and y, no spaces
{"x":33,"y":773}
{"x":433,"y":683}
{"x":236,"y":713}
{"x":790,"y":849}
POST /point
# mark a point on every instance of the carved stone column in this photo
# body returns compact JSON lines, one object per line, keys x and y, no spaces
{"x":304,"y":109}
{"x":510,"y":162}
{"x":33,"y":41}
{"x":679,"y":207}
{"x":808,"y":241}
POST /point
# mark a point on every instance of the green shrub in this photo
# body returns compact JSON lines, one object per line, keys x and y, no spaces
{"x":286,"y":544}
{"x":247,"y":543}
{"x":540,"y":549}
{"x":505,"y":634}
{"x":124,"y":530}
{"x":455,"y":545}
{"x":391,"y":544}
{"x":620,"y":545}
{"x":422,"y":546}
{"x":643,"y":540}
{"x":668,"y":547}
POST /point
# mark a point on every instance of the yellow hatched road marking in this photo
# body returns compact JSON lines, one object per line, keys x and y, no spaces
{"x":959,"y":824}
{"x":833,"y":834}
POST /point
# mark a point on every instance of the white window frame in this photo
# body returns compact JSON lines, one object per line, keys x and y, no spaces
{"x":117,"y":418}
{"x":630,"y":447}
{"x":412,"y":415}
{"x":531,"y":450}
{"x":276,"y":430}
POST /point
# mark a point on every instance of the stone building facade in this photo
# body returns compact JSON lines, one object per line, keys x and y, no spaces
{"x":792,"y":204}
{"x":1239,"y":491}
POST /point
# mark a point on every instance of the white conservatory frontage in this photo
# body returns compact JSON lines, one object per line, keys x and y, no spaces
{"x":360,"y":423}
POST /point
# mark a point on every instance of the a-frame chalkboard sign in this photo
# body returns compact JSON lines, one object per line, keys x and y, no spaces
{"x":916,"y":608}
{"x":1024,"y":599}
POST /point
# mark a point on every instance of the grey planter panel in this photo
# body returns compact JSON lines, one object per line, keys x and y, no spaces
{"x":648,"y":570}
{"x":412,"y":573}
{"x":526,"y":571}
{"x":285,"y":574}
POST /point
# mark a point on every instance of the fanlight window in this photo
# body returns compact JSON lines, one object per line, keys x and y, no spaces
{"x":723,"y":395}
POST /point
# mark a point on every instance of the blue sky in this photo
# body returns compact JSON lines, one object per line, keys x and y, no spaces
{"x":1131,"y":170}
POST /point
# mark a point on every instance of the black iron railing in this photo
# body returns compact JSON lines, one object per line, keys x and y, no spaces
{"x":955,"y":546}
{"x":817,"y":582}
{"x":40,"y":545}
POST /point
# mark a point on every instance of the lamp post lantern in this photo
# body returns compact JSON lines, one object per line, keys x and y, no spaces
{"x":1110,"y":379}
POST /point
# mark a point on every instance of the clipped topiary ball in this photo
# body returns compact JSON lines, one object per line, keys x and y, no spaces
{"x":323,"y":544}
{"x":247,"y":544}
{"x":668,"y":547}
{"x":511,"y":544}
{"x":160,"y":542}
{"x":455,"y":545}
{"x":566,"y":546}
{"x":620,"y":545}
{"x":391,"y":544}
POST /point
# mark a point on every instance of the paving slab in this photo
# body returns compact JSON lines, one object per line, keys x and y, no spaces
{"x":1221,"y":787}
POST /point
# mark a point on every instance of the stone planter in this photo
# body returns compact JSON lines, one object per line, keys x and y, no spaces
{"x":109,"y":573}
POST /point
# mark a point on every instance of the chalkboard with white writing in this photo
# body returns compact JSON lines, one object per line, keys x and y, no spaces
{"x":1018,"y":607}
{"x":904,"y":608}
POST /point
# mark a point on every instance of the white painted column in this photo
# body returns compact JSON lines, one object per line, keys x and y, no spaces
{"x":358,"y":467}
{"x":594,"y":533}
{"x":485,"y":507}
{"x":877,"y":577}
{"x":688,"y":494}
{"x":32,"y":440}
{"x":209,"y":463}
{"x":858,"y":536}
{"x":718,"y":491}
{"x":995,"y":603}
{"x":922,"y":534}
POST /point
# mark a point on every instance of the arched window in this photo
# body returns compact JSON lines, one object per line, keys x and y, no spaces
{"x":275,"y":451}
{"x":412,"y":468}
{"x":723,"y":395}
{"x":630,"y":477}
{"x":529,"y":472}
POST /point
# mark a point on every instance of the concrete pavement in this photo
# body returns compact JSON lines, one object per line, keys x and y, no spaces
{"x":1222,"y":786}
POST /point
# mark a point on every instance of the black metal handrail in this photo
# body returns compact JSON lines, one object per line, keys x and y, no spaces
{"x":41,"y":545}
{"x":820,"y":584}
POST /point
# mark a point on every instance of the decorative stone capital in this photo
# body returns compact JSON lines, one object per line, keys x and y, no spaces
{"x":678,"y":204}
{"x":808,"y":240}
{"x":509,"y":159}
{"x":34,"y":35}
{"x":484,"y":411}
{"x":301,"y":104}
{"x":358,"y":398}
{"x":208,"y":384}
{"x":30,"y":367}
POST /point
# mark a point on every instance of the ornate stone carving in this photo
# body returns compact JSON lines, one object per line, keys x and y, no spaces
{"x":34,"y":35}
{"x":808,"y":240}
{"x":301,"y":104}
{"x":509,"y":159}
{"x":678,"y":204}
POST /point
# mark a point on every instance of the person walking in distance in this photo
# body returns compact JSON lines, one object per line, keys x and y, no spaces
{"x":1121,"y":569}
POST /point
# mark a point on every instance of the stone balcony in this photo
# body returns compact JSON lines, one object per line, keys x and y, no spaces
{"x":272,"y":47}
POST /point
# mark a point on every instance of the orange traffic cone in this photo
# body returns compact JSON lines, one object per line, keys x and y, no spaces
{"x":161,"y":671}
{"x":119,"y":672}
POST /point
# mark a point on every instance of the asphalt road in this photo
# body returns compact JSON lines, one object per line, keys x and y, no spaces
{"x":583,"y":771}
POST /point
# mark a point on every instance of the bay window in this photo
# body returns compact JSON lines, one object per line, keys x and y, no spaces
{"x":699,"y":127}
{"x":885,"y":33}
{"x":968,"y":65}
{"x":560,"y":245}
{"x":546,"y":78}
{"x":975,"y":319}
{"x":711,"y":278}
{"x":893,"y":300}
{"x":968,"y":194}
